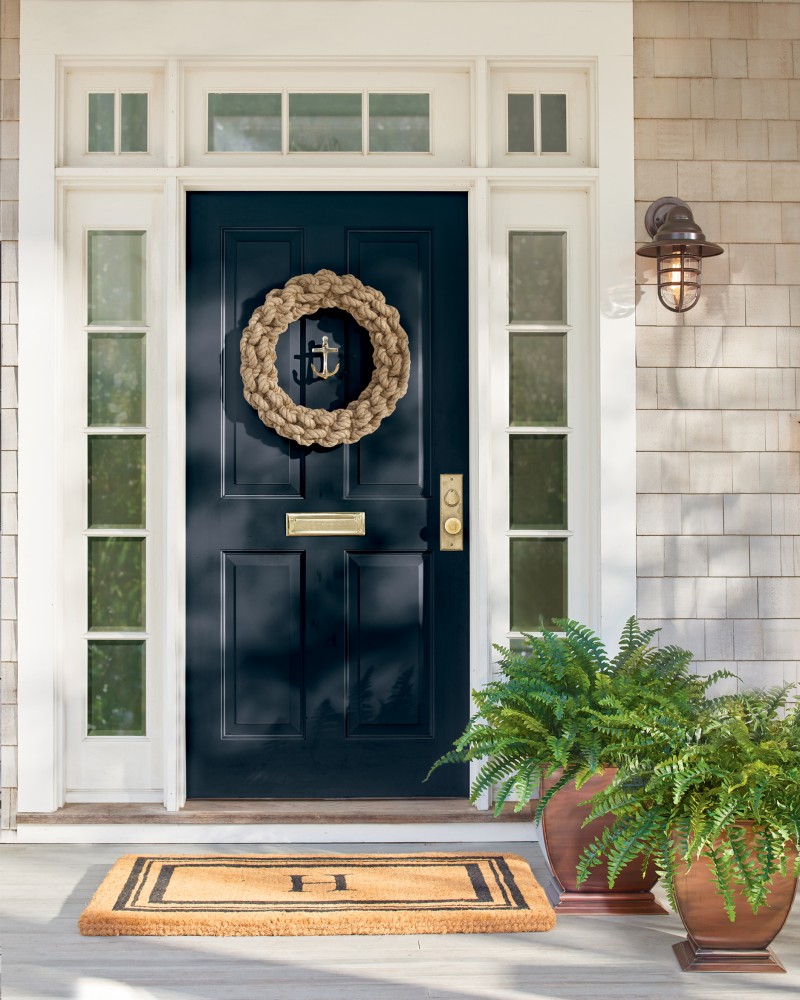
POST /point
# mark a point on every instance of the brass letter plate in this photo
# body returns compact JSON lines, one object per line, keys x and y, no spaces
{"x":326,"y":524}
{"x":451,"y":513}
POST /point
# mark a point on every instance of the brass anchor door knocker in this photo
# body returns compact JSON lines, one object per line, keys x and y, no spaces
{"x":324,"y":351}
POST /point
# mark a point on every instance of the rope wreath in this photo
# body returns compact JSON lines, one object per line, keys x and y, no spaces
{"x":302,"y":296}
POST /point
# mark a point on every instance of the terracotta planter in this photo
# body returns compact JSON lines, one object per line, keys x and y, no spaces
{"x":563,"y":842}
{"x":714,"y":944}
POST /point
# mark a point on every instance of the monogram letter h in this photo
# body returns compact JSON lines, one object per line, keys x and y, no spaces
{"x":299,"y":881}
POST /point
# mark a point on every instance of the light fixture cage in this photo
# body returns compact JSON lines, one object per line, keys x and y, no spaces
{"x":679,"y":246}
{"x":679,"y":280}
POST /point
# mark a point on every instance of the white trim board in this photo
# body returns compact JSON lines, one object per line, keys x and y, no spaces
{"x":277,"y":833}
{"x":477,"y":34}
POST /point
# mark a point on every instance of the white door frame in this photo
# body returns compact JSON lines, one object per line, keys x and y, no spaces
{"x":598,"y":29}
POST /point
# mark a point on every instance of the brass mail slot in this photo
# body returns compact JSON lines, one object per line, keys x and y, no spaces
{"x":326,"y":524}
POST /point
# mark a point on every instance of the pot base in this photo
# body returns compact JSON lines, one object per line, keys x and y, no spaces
{"x":598,"y":904}
{"x":692,"y":958}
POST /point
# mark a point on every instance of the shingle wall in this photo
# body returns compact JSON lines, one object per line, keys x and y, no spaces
{"x":9,"y":173}
{"x":717,"y":89}
{"x":717,"y":103}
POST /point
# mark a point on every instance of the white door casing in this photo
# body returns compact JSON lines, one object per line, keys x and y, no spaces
{"x":61,"y":34}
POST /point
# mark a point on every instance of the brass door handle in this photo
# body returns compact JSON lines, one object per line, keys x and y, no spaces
{"x":451,"y":512}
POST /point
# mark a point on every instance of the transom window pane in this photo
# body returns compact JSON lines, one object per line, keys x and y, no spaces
{"x":325,"y":123}
{"x":554,"y":123}
{"x":399,"y":123}
{"x":133,"y":123}
{"x":248,"y":123}
{"x":521,"y":123}
{"x":116,"y":278}
{"x":117,"y":481}
{"x":537,"y":286}
{"x":116,"y":677}
{"x":538,"y":379}
{"x":538,"y":582}
{"x":538,"y":481}
{"x":100,"y":138}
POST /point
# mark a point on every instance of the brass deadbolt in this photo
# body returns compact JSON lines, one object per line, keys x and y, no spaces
{"x":451,"y":498}
{"x":452,"y":526}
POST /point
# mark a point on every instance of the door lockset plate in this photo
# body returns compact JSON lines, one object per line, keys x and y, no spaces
{"x":451,"y":513}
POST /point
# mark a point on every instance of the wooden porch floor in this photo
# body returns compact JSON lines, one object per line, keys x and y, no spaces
{"x":584,"y":958}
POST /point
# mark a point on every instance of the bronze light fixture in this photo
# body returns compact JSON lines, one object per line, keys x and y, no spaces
{"x":679,"y":246}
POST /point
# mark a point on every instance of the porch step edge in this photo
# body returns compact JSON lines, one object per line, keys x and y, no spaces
{"x":485,"y":832}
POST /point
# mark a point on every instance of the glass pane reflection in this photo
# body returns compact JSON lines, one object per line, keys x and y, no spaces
{"x":538,"y":582}
{"x":116,"y":584}
{"x":537,"y":285}
{"x":116,"y":277}
{"x":325,"y":123}
{"x":399,"y":123}
{"x":116,"y":682}
{"x":248,"y":123}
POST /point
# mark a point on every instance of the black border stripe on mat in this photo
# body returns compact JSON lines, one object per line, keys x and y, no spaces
{"x":129,"y":898}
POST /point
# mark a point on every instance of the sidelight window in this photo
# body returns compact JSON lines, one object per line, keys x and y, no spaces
{"x":116,"y":452}
{"x":538,"y":435}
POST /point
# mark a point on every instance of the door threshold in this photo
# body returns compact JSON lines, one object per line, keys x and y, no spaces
{"x":277,"y":811}
{"x":287,"y":821}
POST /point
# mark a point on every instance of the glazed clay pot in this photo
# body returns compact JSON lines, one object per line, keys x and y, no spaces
{"x":714,"y":944}
{"x":563,"y":842}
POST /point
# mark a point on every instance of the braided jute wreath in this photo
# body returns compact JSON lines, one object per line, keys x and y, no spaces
{"x":302,"y":296}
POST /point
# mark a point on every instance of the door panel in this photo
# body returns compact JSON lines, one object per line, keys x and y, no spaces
{"x":388,"y":656}
{"x":324,"y":666}
{"x":262,"y":665}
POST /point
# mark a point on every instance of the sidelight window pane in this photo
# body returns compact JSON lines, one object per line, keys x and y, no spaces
{"x":249,"y":123}
{"x":537,"y":285}
{"x":538,"y":582}
{"x":538,"y":379}
{"x":399,"y":123}
{"x":116,"y":379}
{"x":116,"y":278}
{"x":538,"y":481}
{"x":100,"y":137}
{"x":116,"y":584}
{"x":521,"y":121}
{"x":117,"y":481}
{"x":133,"y":123}
{"x":325,"y":123}
{"x":554,"y":123}
{"x":116,"y":677}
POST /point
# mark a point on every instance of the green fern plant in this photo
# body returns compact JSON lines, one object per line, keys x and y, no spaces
{"x":720,"y":778}
{"x":543,"y":712}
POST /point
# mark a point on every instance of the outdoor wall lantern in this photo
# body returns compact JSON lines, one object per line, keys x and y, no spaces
{"x":679,"y":246}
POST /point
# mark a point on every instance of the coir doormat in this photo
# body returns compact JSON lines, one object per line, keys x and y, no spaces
{"x":253,"y":894}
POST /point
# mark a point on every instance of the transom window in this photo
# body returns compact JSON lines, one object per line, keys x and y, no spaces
{"x":117,"y":123}
{"x":298,"y":122}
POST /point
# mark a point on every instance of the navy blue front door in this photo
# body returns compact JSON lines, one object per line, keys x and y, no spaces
{"x":324,"y":666}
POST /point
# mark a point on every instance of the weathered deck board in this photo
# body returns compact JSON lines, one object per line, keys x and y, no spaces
{"x":584,"y":958}
{"x":281,"y":811}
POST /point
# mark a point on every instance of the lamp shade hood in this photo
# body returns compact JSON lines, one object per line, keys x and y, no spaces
{"x":671,"y":224}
